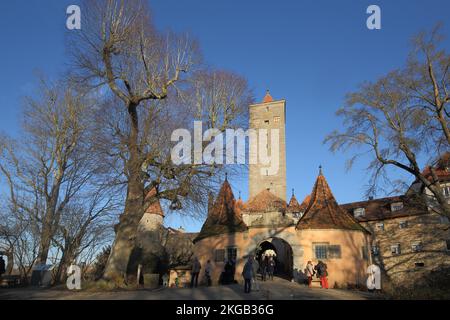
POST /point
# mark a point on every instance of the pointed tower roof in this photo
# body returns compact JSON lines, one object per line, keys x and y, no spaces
{"x":265,"y":201}
{"x":224,"y":216}
{"x":267,"y":98}
{"x":305,"y":203}
{"x":323,"y":212}
{"x":155,"y":206}
{"x":293,"y":206}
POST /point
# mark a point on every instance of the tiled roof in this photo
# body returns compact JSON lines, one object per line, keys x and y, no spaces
{"x":323,"y":212}
{"x":224,"y":216}
{"x":155,"y":206}
{"x":443,"y":174}
{"x":293,"y":206}
{"x":265,"y":201}
{"x":441,"y":169}
{"x":267,"y":98}
{"x":305,"y":203}
{"x":380,"y":209}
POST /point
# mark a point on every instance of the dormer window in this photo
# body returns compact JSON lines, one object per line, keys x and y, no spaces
{"x":403,"y":224}
{"x":397,"y":206}
{"x":359,"y":212}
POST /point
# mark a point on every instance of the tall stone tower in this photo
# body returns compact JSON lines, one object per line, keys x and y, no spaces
{"x":269,"y":115}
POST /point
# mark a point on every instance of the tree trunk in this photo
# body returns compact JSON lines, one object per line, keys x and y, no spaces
{"x":10,"y":256}
{"x":44,"y":245}
{"x":124,"y":243}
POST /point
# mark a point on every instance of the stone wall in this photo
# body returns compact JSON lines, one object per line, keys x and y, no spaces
{"x":429,"y":231}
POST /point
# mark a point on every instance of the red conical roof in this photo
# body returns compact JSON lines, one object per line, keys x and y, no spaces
{"x":155,"y":206}
{"x":294,"y":206}
{"x":267,"y":98}
{"x":323,"y":212}
{"x":224,"y":216}
{"x":305,"y":203}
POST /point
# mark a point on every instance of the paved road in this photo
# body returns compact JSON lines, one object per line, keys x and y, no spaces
{"x":278,"y":289}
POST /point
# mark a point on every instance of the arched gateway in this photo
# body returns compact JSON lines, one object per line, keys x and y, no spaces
{"x":283,"y":255}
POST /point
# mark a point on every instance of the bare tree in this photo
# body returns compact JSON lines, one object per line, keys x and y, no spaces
{"x":51,"y":163}
{"x":86,"y":224}
{"x":403,"y":117}
{"x":146,"y":73}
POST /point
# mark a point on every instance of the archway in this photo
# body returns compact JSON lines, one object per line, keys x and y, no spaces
{"x":282,"y":253}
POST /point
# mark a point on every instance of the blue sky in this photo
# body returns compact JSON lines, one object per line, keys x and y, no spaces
{"x":308,"y":52}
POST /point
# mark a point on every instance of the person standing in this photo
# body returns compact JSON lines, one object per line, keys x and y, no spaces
{"x":247,"y":273}
{"x":322,"y":273}
{"x":208,"y":271}
{"x":264,"y":265}
{"x":374,"y":278}
{"x":309,"y":271}
{"x":2,"y":266}
{"x":271,"y":268}
{"x":255,"y":283}
{"x":196,"y":266}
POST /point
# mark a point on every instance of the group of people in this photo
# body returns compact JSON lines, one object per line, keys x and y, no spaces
{"x":251,"y":269}
{"x":267,"y":268}
{"x":195,"y":272}
{"x":320,"y":270}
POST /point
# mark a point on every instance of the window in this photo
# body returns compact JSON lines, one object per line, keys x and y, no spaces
{"x":359,"y":212}
{"x":219,"y":255}
{"x":380,"y":226}
{"x":320,"y":250}
{"x":448,"y":244}
{"x":395,"y":249}
{"x":334,"y":252}
{"x":416,"y":246}
{"x":397,"y":206}
{"x":446,"y":191}
{"x":403,"y":224}
{"x":419,"y":264}
{"x":267,"y":122}
{"x":326,"y":251}
{"x":297,"y":215}
{"x":276,"y":119}
{"x":375,"y":250}
{"x":232,"y":253}
{"x":365,"y":253}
